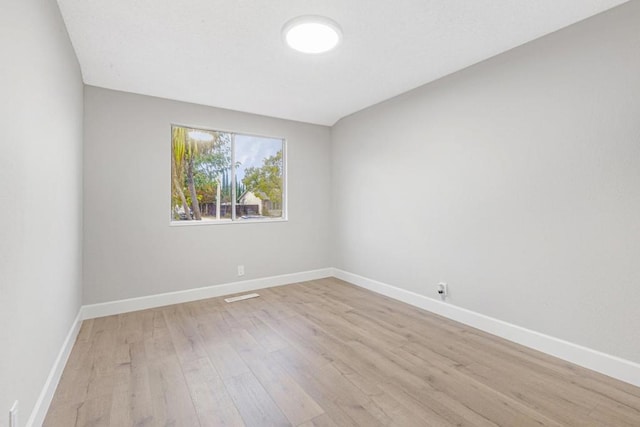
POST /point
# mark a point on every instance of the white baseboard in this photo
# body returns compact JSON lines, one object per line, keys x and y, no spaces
{"x":46,"y":395}
{"x":607,"y":364}
{"x":141,"y":303}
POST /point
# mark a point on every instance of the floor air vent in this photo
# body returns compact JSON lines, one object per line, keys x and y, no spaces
{"x":241,"y":297}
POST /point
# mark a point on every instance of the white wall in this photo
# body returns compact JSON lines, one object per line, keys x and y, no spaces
{"x":516,"y":180}
{"x":130,"y":249}
{"x":40,"y":197}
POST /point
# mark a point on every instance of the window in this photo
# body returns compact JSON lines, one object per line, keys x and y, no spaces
{"x":224,"y":176}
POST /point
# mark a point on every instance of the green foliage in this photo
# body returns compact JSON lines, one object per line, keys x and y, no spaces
{"x":267,"y":179}
{"x":240,"y":188}
{"x":201,"y":163}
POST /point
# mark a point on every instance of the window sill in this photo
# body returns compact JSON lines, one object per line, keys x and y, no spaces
{"x":194,"y":223}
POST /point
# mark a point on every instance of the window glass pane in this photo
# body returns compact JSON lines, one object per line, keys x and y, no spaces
{"x":259,"y":174}
{"x":200,"y":174}
{"x":209,"y":167}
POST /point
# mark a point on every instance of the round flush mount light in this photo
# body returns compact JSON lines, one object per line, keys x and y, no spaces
{"x":312,"y":34}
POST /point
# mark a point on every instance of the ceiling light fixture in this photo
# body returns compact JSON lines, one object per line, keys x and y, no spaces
{"x":312,"y":34}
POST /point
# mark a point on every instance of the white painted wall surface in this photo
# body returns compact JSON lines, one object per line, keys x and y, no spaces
{"x":528,"y":171}
{"x":130,"y":249}
{"x":40,"y":197}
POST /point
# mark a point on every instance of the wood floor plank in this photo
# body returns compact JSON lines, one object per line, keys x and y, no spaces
{"x":171,"y":400}
{"x":61,"y":414}
{"x":294,"y":402}
{"x":253,"y":402}
{"x":95,"y":412}
{"x":320,"y":353}
{"x":131,"y":402}
{"x":296,"y":339}
{"x":618,"y":415}
{"x":320,"y":421}
{"x":84,"y":334}
{"x":213,"y":403}
{"x":184,"y":333}
{"x":269,"y":339}
{"x":327,"y":387}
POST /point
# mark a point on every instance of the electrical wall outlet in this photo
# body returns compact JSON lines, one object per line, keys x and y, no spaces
{"x":241,"y":270}
{"x":13,"y":415}
{"x":443,"y":290}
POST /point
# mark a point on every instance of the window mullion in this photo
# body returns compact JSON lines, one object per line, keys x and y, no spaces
{"x":233,"y":177}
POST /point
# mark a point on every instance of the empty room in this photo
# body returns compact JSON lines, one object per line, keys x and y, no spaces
{"x":320,"y":213}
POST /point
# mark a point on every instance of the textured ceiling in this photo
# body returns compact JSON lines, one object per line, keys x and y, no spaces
{"x":230,"y":54}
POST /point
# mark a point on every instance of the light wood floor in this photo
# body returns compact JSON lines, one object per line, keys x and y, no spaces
{"x":321,"y":353}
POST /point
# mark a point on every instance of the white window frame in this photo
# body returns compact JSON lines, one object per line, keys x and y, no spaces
{"x":234,"y":220}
